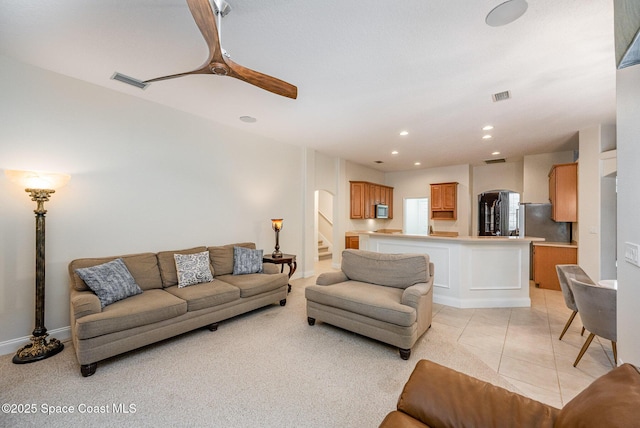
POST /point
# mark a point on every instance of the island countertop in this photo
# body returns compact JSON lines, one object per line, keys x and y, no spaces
{"x":468,"y":239}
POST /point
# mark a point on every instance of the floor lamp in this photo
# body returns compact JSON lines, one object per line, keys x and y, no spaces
{"x":40,"y":186}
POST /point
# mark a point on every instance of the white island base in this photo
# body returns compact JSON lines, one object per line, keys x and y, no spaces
{"x":470,"y":272}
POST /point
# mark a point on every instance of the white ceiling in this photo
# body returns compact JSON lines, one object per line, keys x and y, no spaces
{"x":365,"y":70}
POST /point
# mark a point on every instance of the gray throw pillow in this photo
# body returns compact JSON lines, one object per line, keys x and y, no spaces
{"x":110,"y":281}
{"x":246,"y":260}
{"x":193,"y":268}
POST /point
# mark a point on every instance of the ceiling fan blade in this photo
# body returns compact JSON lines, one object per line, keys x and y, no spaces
{"x":202,"y":70}
{"x":206,"y":21}
{"x":261,"y":80}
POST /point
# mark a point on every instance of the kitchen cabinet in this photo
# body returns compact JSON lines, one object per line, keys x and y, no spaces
{"x":352,"y":242}
{"x":444,"y":201}
{"x":563,"y":192}
{"x":365,"y":196}
{"x":546,"y":257}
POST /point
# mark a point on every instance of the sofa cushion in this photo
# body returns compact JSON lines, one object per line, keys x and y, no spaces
{"x":256,"y":283}
{"x":193,"y":268}
{"x":392,"y":270}
{"x":222,"y":257}
{"x":206,"y":295}
{"x":110,"y":281}
{"x":373,"y":301}
{"x":147,"y":308}
{"x":143,"y":268}
{"x":612,"y":400}
{"x":167,"y":265}
{"x":246,"y":260}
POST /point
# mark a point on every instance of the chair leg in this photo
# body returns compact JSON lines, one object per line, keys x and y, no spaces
{"x":615,"y":353}
{"x":584,"y":348}
{"x":582,"y":332}
{"x":569,"y":321}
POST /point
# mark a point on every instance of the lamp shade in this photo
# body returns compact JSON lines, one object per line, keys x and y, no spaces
{"x":276,"y":223}
{"x":38,"y":179}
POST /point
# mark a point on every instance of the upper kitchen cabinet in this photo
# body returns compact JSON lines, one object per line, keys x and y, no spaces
{"x":365,"y":196}
{"x":563,"y":192}
{"x":444,"y":201}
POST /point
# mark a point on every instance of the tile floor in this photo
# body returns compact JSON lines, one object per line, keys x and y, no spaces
{"x":521,"y":344}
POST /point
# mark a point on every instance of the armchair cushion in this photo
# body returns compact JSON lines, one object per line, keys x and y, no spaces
{"x":391,"y":270}
{"x":373,"y":301}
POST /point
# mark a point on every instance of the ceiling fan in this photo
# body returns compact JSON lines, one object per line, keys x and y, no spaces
{"x":219,"y":62}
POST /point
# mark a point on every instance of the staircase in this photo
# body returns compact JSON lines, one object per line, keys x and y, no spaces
{"x":323,"y":251}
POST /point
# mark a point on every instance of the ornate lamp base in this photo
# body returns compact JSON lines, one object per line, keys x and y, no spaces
{"x":37,"y":350}
{"x":276,"y":254}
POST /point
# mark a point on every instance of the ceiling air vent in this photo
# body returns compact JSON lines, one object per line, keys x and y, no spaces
{"x":501,"y":96}
{"x":129,"y":80}
{"x":501,"y":160}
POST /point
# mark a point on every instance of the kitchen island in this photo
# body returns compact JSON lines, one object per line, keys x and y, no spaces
{"x":470,"y":271}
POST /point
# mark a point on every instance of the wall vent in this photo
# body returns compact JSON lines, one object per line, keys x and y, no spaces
{"x":129,"y":80}
{"x":501,"y":96}
{"x":500,"y":160}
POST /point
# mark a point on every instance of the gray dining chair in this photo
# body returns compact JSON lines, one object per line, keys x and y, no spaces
{"x":598,"y":311}
{"x":564,"y":273}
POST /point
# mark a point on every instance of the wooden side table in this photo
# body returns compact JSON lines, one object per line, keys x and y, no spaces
{"x":286,"y":259}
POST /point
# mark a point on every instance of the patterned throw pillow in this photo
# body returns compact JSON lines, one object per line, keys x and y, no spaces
{"x":110,"y":281}
{"x":246,"y":260}
{"x":193,"y":268}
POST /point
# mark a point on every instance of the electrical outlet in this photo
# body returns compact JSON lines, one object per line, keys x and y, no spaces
{"x":632,"y":253}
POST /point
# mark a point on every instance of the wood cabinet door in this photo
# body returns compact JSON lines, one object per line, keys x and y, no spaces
{"x":436,"y":197}
{"x":448,"y":195}
{"x":352,"y":242}
{"x":545,"y":260}
{"x":563,"y":192}
{"x":357,"y":200}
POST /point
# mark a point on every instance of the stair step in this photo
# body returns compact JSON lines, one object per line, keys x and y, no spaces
{"x":324,"y":255}
{"x":322,"y":249}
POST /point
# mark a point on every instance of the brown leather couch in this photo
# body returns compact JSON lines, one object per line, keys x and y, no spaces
{"x":436,"y":396}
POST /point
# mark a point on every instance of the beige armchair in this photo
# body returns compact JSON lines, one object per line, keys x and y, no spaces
{"x":565,"y":272}
{"x":387,"y":297}
{"x":598,"y":311}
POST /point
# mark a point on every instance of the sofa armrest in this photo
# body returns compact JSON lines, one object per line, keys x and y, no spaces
{"x":270,"y":268}
{"x":412,"y":296}
{"x":84,"y":303}
{"x":439,"y":396}
{"x":328,"y":278}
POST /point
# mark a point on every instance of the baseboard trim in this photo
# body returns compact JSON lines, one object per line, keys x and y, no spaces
{"x":12,"y":345}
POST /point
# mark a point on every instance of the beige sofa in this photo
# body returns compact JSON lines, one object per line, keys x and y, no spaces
{"x":437,"y":396}
{"x":387,"y":297}
{"x":163,"y":309}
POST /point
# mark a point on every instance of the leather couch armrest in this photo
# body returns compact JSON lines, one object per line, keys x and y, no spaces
{"x":439,"y":396}
{"x":84,"y":303}
{"x":328,"y":278}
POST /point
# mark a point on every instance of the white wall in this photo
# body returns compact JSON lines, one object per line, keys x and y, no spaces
{"x":416,"y":184}
{"x":590,"y":209}
{"x":536,"y":175}
{"x":144,"y":178}
{"x":628,"y":148}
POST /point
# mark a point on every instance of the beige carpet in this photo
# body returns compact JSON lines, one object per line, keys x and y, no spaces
{"x":268,"y":368}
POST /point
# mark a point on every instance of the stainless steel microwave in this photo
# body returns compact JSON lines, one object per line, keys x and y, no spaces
{"x":382,"y":211}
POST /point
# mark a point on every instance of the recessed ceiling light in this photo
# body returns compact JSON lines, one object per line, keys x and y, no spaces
{"x":395,"y":152}
{"x":506,"y":13}
{"x":495,"y":153}
{"x":417,"y":164}
{"x":403,"y":133}
{"x":488,"y":128}
{"x":248,"y":119}
{"x":486,"y":137}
